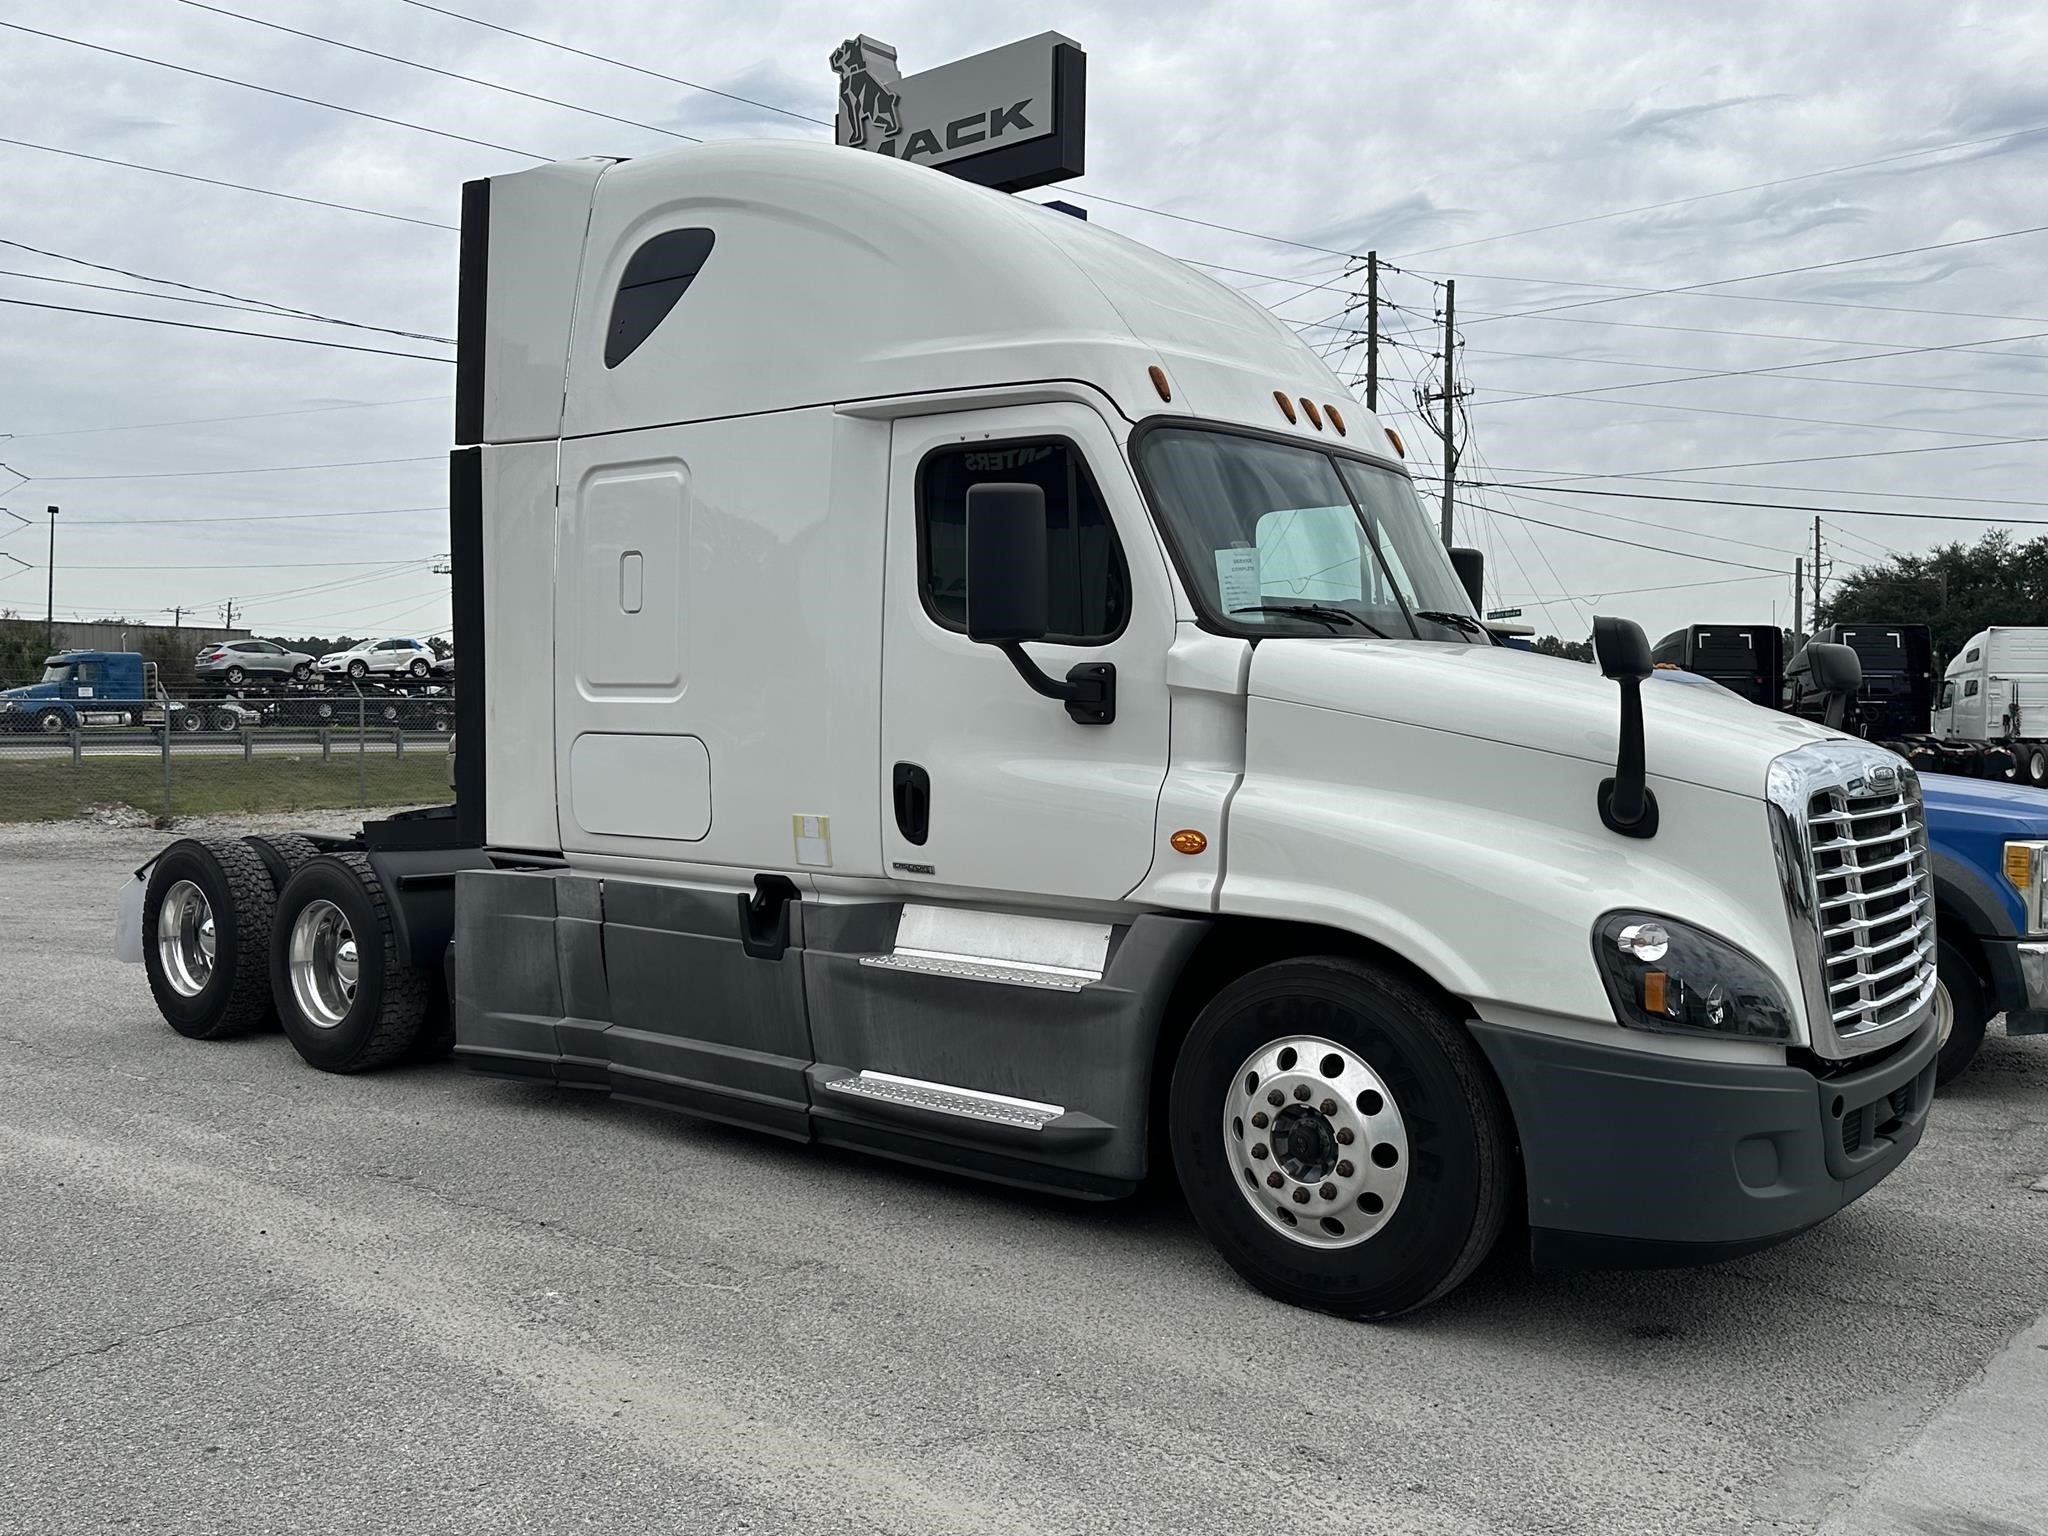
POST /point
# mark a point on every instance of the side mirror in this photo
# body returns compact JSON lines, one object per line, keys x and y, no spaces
{"x":1625,"y":802}
{"x":1007,"y":596}
{"x":1621,"y":648}
{"x":1470,"y":564}
{"x":1835,"y":672}
{"x":1009,"y":600}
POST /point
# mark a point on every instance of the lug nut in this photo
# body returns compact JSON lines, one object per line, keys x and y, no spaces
{"x":1259,"y":1120}
{"x":1259,"y":1151}
{"x":1301,"y":1197}
{"x":1273,"y":1179}
{"x":1301,"y":1092}
{"x":1343,"y":1170}
{"x":1328,"y":1106}
{"x":1328,"y":1191}
{"x":1345,"y":1136}
{"x":1276,"y":1098}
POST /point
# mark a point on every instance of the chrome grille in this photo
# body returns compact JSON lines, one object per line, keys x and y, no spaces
{"x":1868,"y":848}
{"x":1853,"y":860}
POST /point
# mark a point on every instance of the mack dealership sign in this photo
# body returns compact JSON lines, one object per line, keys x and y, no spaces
{"x":1011,"y":118}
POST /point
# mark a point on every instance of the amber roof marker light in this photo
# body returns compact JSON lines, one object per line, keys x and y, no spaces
{"x":1286,"y":405}
{"x":1159,"y":382}
{"x":1400,"y":448}
{"x":1314,"y":414}
{"x":1336,"y":419}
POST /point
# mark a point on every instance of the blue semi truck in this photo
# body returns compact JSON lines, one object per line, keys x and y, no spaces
{"x":80,"y":688}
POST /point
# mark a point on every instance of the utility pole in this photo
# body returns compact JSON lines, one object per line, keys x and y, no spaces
{"x":1799,"y":597}
{"x":177,"y":619}
{"x":50,"y":591}
{"x":1451,"y":402}
{"x":1372,"y":330}
{"x":227,"y":614}
{"x":1816,"y":573}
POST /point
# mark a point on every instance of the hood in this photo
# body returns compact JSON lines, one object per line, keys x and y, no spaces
{"x":1704,"y":736}
{"x":32,"y":691}
{"x":2010,"y":810}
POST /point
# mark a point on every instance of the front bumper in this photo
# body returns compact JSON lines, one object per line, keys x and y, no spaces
{"x":1641,"y":1161}
{"x":2026,"y":1009}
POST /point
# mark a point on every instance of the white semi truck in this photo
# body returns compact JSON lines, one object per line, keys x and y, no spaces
{"x":1996,"y":691}
{"x":946,"y":680}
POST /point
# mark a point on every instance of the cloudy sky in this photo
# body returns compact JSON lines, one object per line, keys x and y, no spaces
{"x":1581,"y":161}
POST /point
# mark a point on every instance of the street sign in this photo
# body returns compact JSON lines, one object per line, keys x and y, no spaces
{"x":1011,"y":118}
{"x":1503,"y":613}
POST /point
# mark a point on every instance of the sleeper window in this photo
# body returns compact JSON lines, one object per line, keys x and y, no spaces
{"x":1089,"y":586}
{"x":1970,"y":689}
{"x":655,"y":278}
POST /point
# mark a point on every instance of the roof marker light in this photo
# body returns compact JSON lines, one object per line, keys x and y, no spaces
{"x":1314,"y":415}
{"x":1336,"y":420}
{"x":1400,"y":448}
{"x":1159,"y":382}
{"x":1286,"y":405}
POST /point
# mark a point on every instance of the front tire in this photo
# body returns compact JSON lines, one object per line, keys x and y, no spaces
{"x":236,"y":676}
{"x":206,"y":919}
{"x":346,"y":1001}
{"x":50,"y":722}
{"x":1959,"y":995}
{"x":359,"y":670}
{"x":1381,"y":1179}
{"x":419,"y":669}
{"x":302,"y":671}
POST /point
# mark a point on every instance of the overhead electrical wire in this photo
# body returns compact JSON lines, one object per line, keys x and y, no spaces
{"x":240,"y":517}
{"x":1772,"y":506}
{"x":228,"y":330}
{"x":207,"y":421}
{"x":510,"y":90}
{"x":238,"y":186}
{"x":269,"y":90}
{"x":261,"y":469}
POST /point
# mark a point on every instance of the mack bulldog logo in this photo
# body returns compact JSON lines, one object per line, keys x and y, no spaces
{"x":866,"y":70}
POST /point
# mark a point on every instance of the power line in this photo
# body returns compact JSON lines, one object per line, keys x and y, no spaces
{"x":1677,"y":586}
{"x":1755,"y":186}
{"x":264,"y":305}
{"x":1723,"y":330}
{"x":1820,"y":458}
{"x":226,"y":330}
{"x":1772,"y":369}
{"x":238,"y":186}
{"x":267,"y":90}
{"x":258,"y":517}
{"x":257,"y":21}
{"x":254,"y":307}
{"x":1772,"y":506}
{"x":638,"y":69}
{"x":261,"y":469}
{"x":261,"y":565}
{"x":1659,"y":549}
{"x":207,"y":421}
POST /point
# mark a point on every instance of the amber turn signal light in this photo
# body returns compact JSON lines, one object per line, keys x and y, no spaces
{"x":1188,"y":840}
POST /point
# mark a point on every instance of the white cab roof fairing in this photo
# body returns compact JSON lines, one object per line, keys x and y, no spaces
{"x":839,"y":276}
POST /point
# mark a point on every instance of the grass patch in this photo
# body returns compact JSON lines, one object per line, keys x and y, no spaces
{"x":56,"y":789}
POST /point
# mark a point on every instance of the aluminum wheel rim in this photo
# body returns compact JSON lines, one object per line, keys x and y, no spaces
{"x":324,"y":963}
{"x":185,"y":938}
{"x":52,"y":723}
{"x":1317,"y":1142}
{"x":1944,"y":1012}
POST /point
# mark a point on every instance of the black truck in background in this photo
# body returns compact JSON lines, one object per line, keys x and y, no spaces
{"x":1745,"y":659}
{"x":1896,"y":700}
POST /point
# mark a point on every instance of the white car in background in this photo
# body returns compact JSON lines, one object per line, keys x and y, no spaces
{"x":380,"y":658}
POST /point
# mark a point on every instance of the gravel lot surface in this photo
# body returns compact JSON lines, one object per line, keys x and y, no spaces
{"x":237,"y":1295}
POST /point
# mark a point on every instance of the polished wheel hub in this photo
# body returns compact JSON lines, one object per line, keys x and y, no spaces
{"x":1317,"y":1141}
{"x":1944,"y":1013}
{"x":185,"y":938}
{"x":324,"y":964}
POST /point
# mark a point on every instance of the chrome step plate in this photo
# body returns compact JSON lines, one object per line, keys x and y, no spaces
{"x":1047,"y":977}
{"x":967,"y":1103}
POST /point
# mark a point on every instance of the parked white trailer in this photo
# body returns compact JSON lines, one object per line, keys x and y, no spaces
{"x":943,"y":679}
{"x":1996,"y":689}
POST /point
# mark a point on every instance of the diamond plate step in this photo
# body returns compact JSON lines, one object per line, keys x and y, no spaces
{"x":967,"y":1103}
{"x":1045,"y":977}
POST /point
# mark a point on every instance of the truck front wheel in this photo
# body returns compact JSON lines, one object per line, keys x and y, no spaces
{"x":206,"y":936}
{"x":1962,"y":1008}
{"x":346,"y":1000}
{"x":1340,"y":1138}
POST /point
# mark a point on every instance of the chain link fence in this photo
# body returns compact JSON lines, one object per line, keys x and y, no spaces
{"x":166,"y":754}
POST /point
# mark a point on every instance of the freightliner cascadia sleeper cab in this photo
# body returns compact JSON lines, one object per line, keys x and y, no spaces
{"x":946,"y":680}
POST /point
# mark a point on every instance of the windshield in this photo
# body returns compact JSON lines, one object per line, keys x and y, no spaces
{"x":56,"y":671}
{"x":1274,"y":537}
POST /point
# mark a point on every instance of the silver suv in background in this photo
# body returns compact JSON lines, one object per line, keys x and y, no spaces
{"x":236,"y":661}
{"x":380,"y":658}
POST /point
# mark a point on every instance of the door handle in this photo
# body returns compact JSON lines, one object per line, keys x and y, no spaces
{"x":911,"y":787}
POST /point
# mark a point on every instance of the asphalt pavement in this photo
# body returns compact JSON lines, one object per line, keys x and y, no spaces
{"x":238,"y":1295}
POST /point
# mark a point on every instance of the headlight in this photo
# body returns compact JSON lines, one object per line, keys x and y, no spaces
{"x":1663,"y":975}
{"x":2026,"y":867}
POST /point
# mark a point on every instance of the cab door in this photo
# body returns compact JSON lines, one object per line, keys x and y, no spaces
{"x":992,"y":787}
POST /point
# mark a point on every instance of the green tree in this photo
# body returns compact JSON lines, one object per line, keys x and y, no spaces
{"x":1570,"y":650}
{"x":1955,"y":590}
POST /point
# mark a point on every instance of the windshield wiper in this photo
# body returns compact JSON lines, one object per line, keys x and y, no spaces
{"x":1460,"y":621}
{"x":1328,"y":615}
